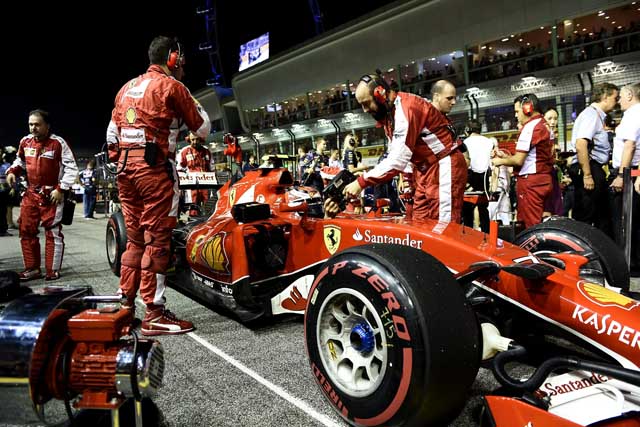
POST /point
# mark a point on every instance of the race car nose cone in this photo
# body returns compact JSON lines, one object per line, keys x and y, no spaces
{"x":362,"y":338}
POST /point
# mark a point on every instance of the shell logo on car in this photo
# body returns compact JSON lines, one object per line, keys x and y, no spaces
{"x":214,"y":255}
{"x":332,"y":238}
{"x":605,"y":297}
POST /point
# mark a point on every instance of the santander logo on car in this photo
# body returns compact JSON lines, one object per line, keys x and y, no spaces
{"x":370,"y":237}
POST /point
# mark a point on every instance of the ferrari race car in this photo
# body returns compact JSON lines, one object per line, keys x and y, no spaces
{"x":400,"y":314}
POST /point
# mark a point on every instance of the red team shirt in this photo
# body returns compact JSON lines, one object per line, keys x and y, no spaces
{"x":536,"y":140}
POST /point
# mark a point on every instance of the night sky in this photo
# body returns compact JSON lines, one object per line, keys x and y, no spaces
{"x":71,"y":58}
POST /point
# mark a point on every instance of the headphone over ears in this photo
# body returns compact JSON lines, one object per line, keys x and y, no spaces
{"x":527,"y":104}
{"x":380,"y":90}
{"x":174,"y":60}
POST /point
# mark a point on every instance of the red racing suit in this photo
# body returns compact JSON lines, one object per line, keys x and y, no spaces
{"x":150,"y":109}
{"x":534,"y":183}
{"x":423,"y":136}
{"x":49,"y":165}
{"x":196,"y":159}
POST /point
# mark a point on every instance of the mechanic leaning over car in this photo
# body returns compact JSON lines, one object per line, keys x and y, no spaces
{"x":51,"y":170}
{"x":141,"y":136}
{"x":196,"y":158}
{"x":420,"y":134}
{"x":533,"y":160}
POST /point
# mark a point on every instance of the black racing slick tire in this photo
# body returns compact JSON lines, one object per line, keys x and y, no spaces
{"x":560,"y":234}
{"x":390,"y":337}
{"x":116,"y":241}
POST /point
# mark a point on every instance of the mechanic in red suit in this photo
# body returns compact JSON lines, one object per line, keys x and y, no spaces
{"x":51,"y":170}
{"x":196,"y":158}
{"x":533,"y":161}
{"x":420,"y":134}
{"x":141,"y":137}
{"x":233,"y":149}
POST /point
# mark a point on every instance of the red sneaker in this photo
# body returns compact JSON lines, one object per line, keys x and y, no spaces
{"x":30,"y":274}
{"x":161,"y":321}
{"x":54,"y":275}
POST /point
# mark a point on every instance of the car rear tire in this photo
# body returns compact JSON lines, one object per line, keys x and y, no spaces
{"x":116,"y":241}
{"x":560,"y":234}
{"x":390,"y":337}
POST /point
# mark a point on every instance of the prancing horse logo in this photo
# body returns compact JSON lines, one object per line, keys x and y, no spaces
{"x":332,"y":238}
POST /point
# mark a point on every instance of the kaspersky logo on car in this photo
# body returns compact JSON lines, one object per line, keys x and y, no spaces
{"x":605,"y":297}
{"x":332,"y":238}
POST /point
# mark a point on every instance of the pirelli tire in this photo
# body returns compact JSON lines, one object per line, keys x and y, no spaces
{"x":116,"y":241}
{"x":560,"y":234}
{"x":390,"y":337}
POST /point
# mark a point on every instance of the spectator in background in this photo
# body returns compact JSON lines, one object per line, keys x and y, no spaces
{"x":313,"y":163}
{"x":626,"y":153}
{"x":533,"y":160}
{"x":88,"y":179}
{"x":349,"y":155}
{"x":590,"y":142}
{"x":13,"y":196}
{"x":250,"y":165}
{"x":195,"y":157}
{"x":4,"y":196}
{"x":334,"y":159}
{"x":479,"y":149}
{"x":553,"y":203}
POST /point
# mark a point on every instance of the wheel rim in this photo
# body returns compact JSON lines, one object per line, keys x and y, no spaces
{"x":352,"y":343}
{"x":112,"y":245}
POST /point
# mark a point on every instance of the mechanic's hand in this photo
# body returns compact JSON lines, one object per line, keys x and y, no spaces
{"x":352,"y":190}
{"x":617,"y":184}
{"x":11,"y":179}
{"x":331,"y":208}
{"x":496,"y":161}
{"x":498,"y":153}
{"x":56,"y":197}
{"x":588,"y":182}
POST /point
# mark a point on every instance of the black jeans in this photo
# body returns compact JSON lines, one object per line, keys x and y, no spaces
{"x":479,"y":182}
{"x":4,"y":202}
{"x":592,"y":206}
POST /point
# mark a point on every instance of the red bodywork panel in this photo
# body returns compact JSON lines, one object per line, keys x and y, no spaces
{"x":216,"y":249}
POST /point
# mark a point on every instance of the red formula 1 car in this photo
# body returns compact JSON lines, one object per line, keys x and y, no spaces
{"x":399,"y":315}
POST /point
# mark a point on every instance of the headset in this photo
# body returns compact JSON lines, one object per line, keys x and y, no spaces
{"x":175,"y":59}
{"x":528,"y":105}
{"x":381,"y":89}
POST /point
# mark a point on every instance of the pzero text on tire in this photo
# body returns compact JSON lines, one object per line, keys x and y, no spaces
{"x":116,"y":241}
{"x":390,"y":338}
{"x":563,"y":234}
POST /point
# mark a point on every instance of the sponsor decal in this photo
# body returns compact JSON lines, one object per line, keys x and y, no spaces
{"x":260,"y":198}
{"x":605,"y":297}
{"x":130,"y":115}
{"x":47,"y":154}
{"x":294,"y":297}
{"x":530,"y":243}
{"x":214,"y":255}
{"x":602,"y":324}
{"x":332,"y":350}
{"x":370,"y":237}
{"x":232,"y":196}
{"x":332,"y":238}
{"x":137,"y":91}
{"x":328,"y":390}
{"x":195,"y":247}
{"x":189,"y":157}
{"x":569,"y":382}
{"x":30,"y":152}
{"x":225,"y":288}
{"x":132,"y":135}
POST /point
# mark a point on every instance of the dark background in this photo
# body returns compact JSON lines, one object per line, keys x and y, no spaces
{"x":71,"y":58}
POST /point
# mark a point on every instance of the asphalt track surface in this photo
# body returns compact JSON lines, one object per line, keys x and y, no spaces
{"x":224,"y":373}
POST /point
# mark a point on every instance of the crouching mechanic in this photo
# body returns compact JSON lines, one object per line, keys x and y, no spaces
{"x":420,"y":134}
{"x":532,"y":162}
{"x":52,"y":170}
{"x":142,"y":137}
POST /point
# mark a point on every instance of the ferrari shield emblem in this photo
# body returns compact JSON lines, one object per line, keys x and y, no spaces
{"x":332,"y":238}
{"x":232,"y":196}
{"x":130,"y":115}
